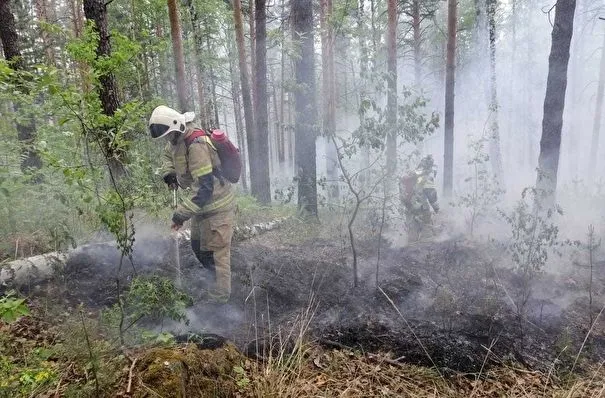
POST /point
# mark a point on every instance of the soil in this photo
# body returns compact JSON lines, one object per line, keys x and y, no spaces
{"x":445,"y":304}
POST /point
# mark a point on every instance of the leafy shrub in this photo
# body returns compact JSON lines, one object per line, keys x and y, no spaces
{"x":534,"y":236}
{"x":12,"y":308}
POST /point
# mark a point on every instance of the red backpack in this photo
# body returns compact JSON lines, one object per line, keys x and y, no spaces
{"x":407,"y":184}
{"x":231,"y":161}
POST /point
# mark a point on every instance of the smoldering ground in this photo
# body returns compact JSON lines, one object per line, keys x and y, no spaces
{"x":450,"y":304}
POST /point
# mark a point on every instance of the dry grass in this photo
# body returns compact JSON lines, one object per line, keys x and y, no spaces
{"x":343,"y":373}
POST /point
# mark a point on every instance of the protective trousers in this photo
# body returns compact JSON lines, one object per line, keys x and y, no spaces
{"x":211,"y":242}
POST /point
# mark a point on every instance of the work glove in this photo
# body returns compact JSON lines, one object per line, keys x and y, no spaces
{"x":177,"y":221}
{"x":171,"y":181}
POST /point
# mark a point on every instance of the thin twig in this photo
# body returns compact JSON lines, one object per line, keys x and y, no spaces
{"x":56,"y":394}
{"x":586,"y":338}
{"x":130,"y":373}
{"x":90,"y":355}
{"x":489,"y":351}
{"x":552,"y":367}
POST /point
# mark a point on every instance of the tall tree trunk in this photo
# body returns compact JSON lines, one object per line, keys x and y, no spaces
{"x":529,"y":98}
{"x":96,"y":11}
{"x":598,"y":116}
{"x":494,"y":143}
{"x":251,"y":23}
{"x":305,"y":112}
{"x":42,"y":10}
{"x":277,"y":122}
{"x":450,"y":81}
{"x":213,"y":120}
{"x":282,"y":103}
{"x":514,"y":156}
{"x":329,"y":96}
{"x":554,"y":101}
{"x":573,"y":111}
{"x":375,"y":34}
{"x":198,"y":41}
{"x":260,"y":184}
{"x":363,"y":82}
{"x":179,"y":58}
{"x":78,"y":26}
{"x":26,"y":126}
{"x":417,"y":43}
{"x":391,"y":41}
{"x":482,"y":50}
{"x":237,"y":110}
{"x":245,"y":83}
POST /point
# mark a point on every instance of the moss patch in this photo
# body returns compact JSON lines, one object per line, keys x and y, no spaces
{"x":189,"y":371}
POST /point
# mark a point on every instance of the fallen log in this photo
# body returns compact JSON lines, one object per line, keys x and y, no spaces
{"x":29,"y":270}
{"x":35,"y":269}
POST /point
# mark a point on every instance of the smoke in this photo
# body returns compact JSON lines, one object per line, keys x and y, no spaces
{"x":225,"y":320}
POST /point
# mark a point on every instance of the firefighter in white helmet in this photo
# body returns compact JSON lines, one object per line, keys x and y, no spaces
{"x":191,"y":161}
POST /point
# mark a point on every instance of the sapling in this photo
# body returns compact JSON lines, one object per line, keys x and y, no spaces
{"x":534,"y":236}
{"x":483,"y":191}
{"x":359,"y":194}
{"x":413,"y":126}
{"x":591,"y":246}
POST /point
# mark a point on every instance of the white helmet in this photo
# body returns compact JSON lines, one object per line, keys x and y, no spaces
{"x":165,"y":120}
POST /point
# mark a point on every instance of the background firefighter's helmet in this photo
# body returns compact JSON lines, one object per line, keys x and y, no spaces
{"x":165,"y":120}
{"x":426,"y":164}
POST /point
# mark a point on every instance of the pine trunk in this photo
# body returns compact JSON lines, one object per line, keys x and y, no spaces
{"x":260,"y":185}
{"x":277,"y":123}
{"x":391,"y":41}
{"x":450,"y":76}
{"x":245,"y":82}
{"x":282,"y":103}
{"x":179,"y":58}
{"x":598,"y":116}
{"x":494,"y":143}
{"x":252,"y":27}
{"x":329,"y":96}
{"x":26,"y":126}
{"x":213,"y":111}
{"x":42,"y":9}
{"x":554,"y":101}
{"x":363,"y":91}
{"x":198,"y":41}
{"x":305,"y":108}
{"x":237,"y":110}
{"x":417,"y":43}
{"x":96,"y":11}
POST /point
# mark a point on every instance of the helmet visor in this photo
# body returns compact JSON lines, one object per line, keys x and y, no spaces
{"x":158,"y":130}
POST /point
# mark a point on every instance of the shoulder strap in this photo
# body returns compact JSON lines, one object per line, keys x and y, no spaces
{"x":193,"y":136}
{"x":197,"y":134}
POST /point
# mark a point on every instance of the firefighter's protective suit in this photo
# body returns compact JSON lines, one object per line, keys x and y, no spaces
{"x":418,"y":197}
{"x":209,"y":200}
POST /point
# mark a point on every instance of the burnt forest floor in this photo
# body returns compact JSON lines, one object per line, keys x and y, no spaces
{"x":447,"y":307}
